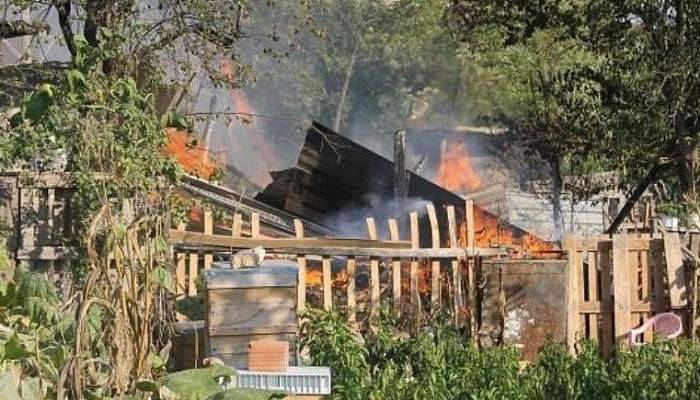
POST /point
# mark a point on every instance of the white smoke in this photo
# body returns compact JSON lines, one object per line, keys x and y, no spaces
{"x":351,"y":222}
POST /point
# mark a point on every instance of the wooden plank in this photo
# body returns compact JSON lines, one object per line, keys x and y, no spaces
{"x":193,"y":272}
{"x":675,"y":273}
{"x":395,"y":265}
{"x":301,"y":272}
{"x":352,"y":305}
{"x":592,"y":244}
{"x":658,"y":273}
{"x":327,"y":283}
{"x":469,"y":216}
{"x":46,"y":253}
{"x":47,"y":180}
{"x":393,"y":230}
{"x":203,"y":240}
{"x":605,"y":320}
{"x":457,"y":295}
{"x":255,"y":225}
{"x":260,"y":330}
{"x":224,"y":300}
{"x":198,"y":241}
{"x":435,"y":297}
{"x":237,"y":225}
{"x":645,"y":292}
{"x":374,"y":269}
{"x":50,"y":204}
{"x":573,"y":266}
{"x":413,"y":272}
{"x":621,"y":288}
{"x":180,"y":271}
{"x":209,"y":230}
{"x":593,"y":277}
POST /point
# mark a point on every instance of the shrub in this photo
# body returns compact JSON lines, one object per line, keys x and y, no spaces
{"x":437,"y":363}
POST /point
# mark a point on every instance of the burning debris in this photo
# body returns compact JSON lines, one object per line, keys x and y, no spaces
{"x":335,"y":176}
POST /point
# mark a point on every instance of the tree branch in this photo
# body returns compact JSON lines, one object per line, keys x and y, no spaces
{"x":63,"y":7}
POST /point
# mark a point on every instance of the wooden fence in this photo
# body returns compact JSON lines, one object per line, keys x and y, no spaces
{"x":196,"y":250}
{"x":36,"y":210}
{"x":614,"y":285}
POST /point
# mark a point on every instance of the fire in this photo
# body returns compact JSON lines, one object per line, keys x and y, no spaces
{"x":456,"y":172}
{"x":245,"y":115}
{"x":490,"y":231}
{"x":195,"y":160}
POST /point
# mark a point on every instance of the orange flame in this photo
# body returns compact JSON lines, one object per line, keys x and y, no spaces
{"x":490,"y":231}
{"x":456,"y":172}
{"x":195,"y":160}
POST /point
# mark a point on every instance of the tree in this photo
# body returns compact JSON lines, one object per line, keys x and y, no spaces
{"x":533,"y":71}
{"x":631,"y":105}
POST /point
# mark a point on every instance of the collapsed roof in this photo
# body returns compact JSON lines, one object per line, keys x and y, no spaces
{"x":334,"y":175}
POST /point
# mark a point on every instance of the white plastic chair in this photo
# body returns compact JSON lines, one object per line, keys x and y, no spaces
{"x":667,"y":325}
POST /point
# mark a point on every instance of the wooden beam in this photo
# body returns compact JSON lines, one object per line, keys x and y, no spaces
{"x":201,"y":239}
{"x":333,"y":247}
{"x":400,"y":180}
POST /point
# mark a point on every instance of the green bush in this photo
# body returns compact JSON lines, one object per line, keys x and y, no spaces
{"x":437,"y":363}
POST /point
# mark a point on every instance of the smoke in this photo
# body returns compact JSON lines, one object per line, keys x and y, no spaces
{"x":350,"y":222}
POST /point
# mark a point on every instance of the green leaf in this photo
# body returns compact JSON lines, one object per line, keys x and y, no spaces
{"x":14,"y":349}
{"x":162,"y":277}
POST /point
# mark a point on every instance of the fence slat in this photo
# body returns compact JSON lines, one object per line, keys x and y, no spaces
{"x":255,"y":225}
{"x":327,"y":283}
{"x":180,"y":268}
{"x":193,"y":272}
{"x":236,"y":226}
{"x":658,"y":271}
{"x":593,"y":277}
{"x":674,"y":270}
{"x":646,"y":282}
{"x":621,"y":288}
{"x":209,"y":230}
{"x":395,"y":265}
{"x":352,"y":304}
{"x":606,"y":307}
{"x":573,"y":267}
{"x":50,"y":203}
{"x":413,"y":273}
{"x":469,"y":215}
{"x":301,"y":272}
{"x":374,"y":268}
{"x":435,"y":264}
{"x":457,"y":295}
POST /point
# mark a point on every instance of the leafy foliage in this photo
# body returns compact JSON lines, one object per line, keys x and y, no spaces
{"x":439,"y":364}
